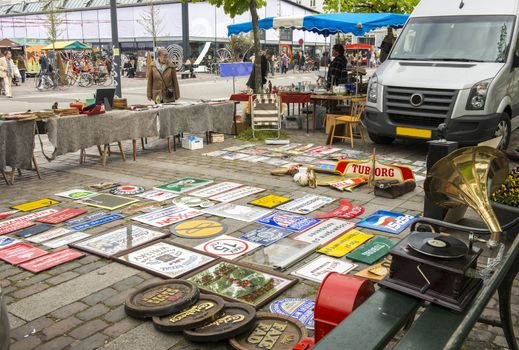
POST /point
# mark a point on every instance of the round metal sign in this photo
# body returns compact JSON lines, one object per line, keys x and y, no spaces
{"x":161,"y":298}
{"x":270,"y":331}
{"x":127,"y":190}
{"x":199,"y":229}
{"x":207,"y":309}
{"x":188,"y":201}
{"x":237,"y":318}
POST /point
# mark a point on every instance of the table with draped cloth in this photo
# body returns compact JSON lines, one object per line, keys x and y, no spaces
{"x":16,"y":146}
{"x":75,"y":133}
{"x":196,"y":119}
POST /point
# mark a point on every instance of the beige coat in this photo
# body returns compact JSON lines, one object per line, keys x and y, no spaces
{"x":156,"y":85}
{"x":3,"y":68}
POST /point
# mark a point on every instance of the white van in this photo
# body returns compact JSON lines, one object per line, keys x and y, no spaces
{"x":455,"y":62}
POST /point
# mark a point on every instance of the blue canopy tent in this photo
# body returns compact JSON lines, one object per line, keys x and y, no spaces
{"x":325,"y":24}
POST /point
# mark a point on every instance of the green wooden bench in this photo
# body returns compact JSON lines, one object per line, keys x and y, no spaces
{"x":376,"y":322}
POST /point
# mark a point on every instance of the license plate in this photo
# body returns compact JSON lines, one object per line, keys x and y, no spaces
{"x":422,"y":133}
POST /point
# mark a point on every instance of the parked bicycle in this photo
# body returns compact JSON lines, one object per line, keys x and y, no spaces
{"x":50,"y":80}
{"x":86,"y":79}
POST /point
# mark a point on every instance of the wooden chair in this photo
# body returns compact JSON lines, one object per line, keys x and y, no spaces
{"x":352,"y":122}
{"x":265,"y":113}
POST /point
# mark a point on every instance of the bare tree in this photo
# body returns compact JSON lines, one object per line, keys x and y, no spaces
{"x":53,"y":22}
{"x":152,"y":22}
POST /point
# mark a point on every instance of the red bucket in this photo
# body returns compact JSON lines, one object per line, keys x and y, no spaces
{"x":338,"y":296}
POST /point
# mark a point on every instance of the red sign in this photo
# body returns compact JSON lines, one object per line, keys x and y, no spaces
{"x":20,"y":252}
{"x":61,"y":216}
{"x":6,"y":214}
{"x":50,"y":260}
{"x":346,"y":210}
{"x":15,"y":226}
{"x":301,"y":41}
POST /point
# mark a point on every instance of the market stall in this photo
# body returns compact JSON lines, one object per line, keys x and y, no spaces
{"x":16,"y":145}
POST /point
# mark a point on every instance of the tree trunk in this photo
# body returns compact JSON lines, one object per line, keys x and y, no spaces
{"x":257,"y":57}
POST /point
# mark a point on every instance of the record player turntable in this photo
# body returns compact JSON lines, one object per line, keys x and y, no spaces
{"x":437,"y":267}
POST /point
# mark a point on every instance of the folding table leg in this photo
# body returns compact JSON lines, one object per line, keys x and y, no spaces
{"x":134,"y":143}
{"x":5,"y":177}
{"x":169,"y":143}
{"x":36,"y":167}
{"x":505,"y":312}
{"x":123,"y":157}
{"x":105,"y":155}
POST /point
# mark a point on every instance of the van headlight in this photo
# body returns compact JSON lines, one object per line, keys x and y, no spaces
{"x":478,"y":95}
{"x":373,"y":89}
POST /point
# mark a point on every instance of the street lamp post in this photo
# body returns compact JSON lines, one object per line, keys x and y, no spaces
{"x":115,"y":48}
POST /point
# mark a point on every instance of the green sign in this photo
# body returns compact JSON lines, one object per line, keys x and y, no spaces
{"x":184,"y":185}
{"x":371,"y":251}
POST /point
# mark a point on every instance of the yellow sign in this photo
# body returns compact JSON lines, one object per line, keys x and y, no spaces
{"x":199,"y":229}
{"x":421,"y":133}
{"x":42,"y":203}
{"x":345,"y":244}
{"x":270,"y":201}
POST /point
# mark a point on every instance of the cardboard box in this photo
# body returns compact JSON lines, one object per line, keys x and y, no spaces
{"x":217,"y":137}
{"x":197,"y":143}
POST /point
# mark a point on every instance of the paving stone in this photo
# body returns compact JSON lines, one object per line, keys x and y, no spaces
{"x":15,"y":322}
{"x":92,"y":342}
{"x":26,"y":343}
{"x":99,"y":296}
{"x":119,"y":298}
{"x":90,"y":267}
{"x":53,"y":298}
{"x":65,"y":276}
{"x":56,"y":343}
{"x":88,"y":328}
{"x":92,"y":312}
{"x":144,"y":337}
{"x":68,"y":310}
{"x":127,"y":283}
{"x":121,"y":327}
{"x":115,"y":315}
{"x":88,"y":259}
{"x":32,"y":280}
{"x":60,"y":327}
{"x":30,"y":328}
{"x":10,"y":272}
{"x":25,"y":292}
{"x":21,"y":276}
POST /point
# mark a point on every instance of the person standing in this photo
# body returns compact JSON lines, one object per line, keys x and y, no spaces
{"x":162,"y":80}
{"x":7,"y":73}
{"x":284,"y":63}
{"x":22,"y":67}
{"x":337,"y":73}
{"x":301,"y":61}
{"x":387,"y":44}
{"x":264,"y":59}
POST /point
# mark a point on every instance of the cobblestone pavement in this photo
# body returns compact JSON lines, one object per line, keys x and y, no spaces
{"x":79,"y":305}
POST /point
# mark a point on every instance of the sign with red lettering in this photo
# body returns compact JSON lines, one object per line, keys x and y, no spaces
{"x":20,"y":252}
{"x":61,"y":216}
{"x":227,"y":246}
{"x":6,"y":214}
{"x":383,"y":171}
{"x":14,"y":226}
{"x":167,"y":216}
{"x":346,"y":210}
{"x":50,"y":260}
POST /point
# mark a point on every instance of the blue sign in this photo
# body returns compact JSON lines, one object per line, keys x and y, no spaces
{"x":97,"y":222}
{"x":289,"y":221}
{"x":238,"y":69}
{"x":300,"y":309}
{"x":265,"y":235}
{"x":387,"y":221}
{"x":324,"y":166}
{"x":87,"y":218}
{"x":34,"y":230}
{"x":6,"y":241}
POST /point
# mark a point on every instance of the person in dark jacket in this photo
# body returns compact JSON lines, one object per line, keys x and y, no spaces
{"x":265,"y":57}
{"x":337,"y":70}
{"x":387,"y":44}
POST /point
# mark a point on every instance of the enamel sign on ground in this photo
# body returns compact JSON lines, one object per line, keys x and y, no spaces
{"x":227,"y":247}
{"x":199,"y":229}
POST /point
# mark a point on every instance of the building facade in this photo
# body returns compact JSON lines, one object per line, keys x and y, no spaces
{"x":89,"y":22}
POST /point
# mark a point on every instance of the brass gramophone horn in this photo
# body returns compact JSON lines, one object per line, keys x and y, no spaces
{"x":467,"y":177}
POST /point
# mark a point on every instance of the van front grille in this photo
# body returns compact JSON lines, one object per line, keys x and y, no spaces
{"x":435,"y":109}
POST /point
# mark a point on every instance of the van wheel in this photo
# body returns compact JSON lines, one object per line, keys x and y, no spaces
{"x":504,"y":128}
{"x":381,"y":140}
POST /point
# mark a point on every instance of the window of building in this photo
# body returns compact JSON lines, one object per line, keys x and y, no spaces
{"x":285,"y":34}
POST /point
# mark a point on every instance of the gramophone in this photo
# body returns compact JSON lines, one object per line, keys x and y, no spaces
{"x":440,"y":268}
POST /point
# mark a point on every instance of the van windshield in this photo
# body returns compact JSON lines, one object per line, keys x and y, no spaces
{"x":455,"y":38}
